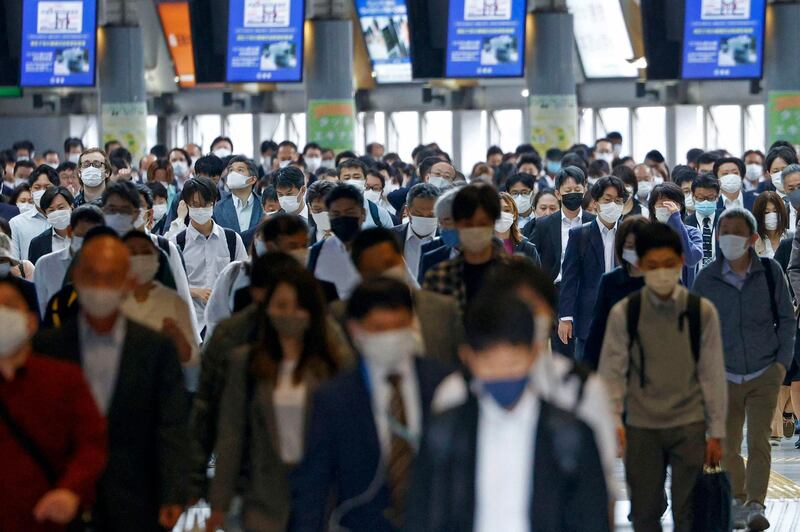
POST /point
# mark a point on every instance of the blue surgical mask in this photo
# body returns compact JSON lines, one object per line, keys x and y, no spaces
{"x":506,"y":392}
{"x":553,"y":166}
{"x":705,"y":207}
{"x":449,"y":237}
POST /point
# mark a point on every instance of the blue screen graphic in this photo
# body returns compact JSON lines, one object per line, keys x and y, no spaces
{"x":486,"y":39}
{"x":265,"y":41}
{"x":723,"y":39}
{"x":384,"y":24}
{"x":58,"y":43}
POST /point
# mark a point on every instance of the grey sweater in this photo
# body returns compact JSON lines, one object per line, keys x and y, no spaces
{"x":677,"y":391}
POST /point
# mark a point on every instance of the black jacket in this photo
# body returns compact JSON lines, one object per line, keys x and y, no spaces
{"x":568,"y":493}
{"x":40,"y":246}
{"x":547,"y":239}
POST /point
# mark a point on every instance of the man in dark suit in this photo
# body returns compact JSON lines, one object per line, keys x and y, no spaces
{"x":136,"y":380}
{"x":730,"y":171}
{"x":498,"y":460}
{"x":57,"y":204}
{"x":242,"y":210}
{"x":422,"y":227}
{"x":707,"y":204}
{"x":8,"y":211}
{"x":365,"y":424}
{"x":442,"y":247}
{"x":589,"y":254}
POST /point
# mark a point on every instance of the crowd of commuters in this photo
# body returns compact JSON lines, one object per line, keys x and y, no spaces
{"x":320,"y":341}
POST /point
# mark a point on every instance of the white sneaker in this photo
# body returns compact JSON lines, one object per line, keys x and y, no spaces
{"x":739,"y":514}
{"x":756,"y":519}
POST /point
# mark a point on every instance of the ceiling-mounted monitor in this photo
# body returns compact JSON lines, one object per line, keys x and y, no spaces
{"x":485,"y":39}
{"x":177,"y":27}
{"x":265,"y":41}
{"x":602,"y":38}
{"x":58,"y":43}
{"x":723,"y":39}
{"x":384,"y":25}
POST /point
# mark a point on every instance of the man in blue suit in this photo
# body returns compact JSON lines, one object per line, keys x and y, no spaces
{"x":589,"y":254}
{"x":705,"y":191}
{"x":366,"y":424}
{"x":730,"y":171}
{"x":242,"y":210}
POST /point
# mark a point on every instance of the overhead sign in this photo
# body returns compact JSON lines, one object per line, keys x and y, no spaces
{"x":58,"y":43}
{"x":265,"y":41}
{"x":177,"y":27}
{"x":783,"y":116}
{"x":486,"y":39}
{"x":723,"y":39}
{"x":384,"y":25}
{"x":602,"y":38}
{"x":332,"y":124}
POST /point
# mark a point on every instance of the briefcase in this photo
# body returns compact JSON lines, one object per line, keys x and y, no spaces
{"x":712,"y":501}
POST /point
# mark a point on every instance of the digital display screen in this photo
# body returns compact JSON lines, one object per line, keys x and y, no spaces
{"x":485,"y":39}
{"x":384,"y":24}
{"x":58,"y":43}
{"x":265,"y":41}
{"x":602,"y":38}
{"x":723,"y":39}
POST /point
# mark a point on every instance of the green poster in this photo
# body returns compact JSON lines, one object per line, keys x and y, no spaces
{"x":554,"y":121}
{"x":783,"y":116}
{"x":332,"y":124}
{"x":127,"y":123}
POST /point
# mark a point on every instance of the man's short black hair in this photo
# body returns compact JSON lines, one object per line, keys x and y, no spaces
{"x":707,"y":157}
{"x":614,"y":135}
{"x":627,"y":176}
{"x":654,"y":155}
{"x":160,"y":151}
{"x":209,"y":165}
{"x":426,"y":165}
{"x":344,"y":191}
{"x":570,"y":172}
{"x":576,"y":160}
{"x":527,"y":149}
{"x":199,"y":185}
{"x":269,"y":194}
{"x":693,"y":154}
{"x":23,"y":145}
{"x":319,"y":189}
{"x":780,"y":152}
{"x":603,"y":183}
{"x":706,"y":181}
{"x":288,"y":143}
{"x":220,"y":139}
{"x":311,"y":146}
{"x":123,"y":153}
{"x":682,"y":173}
{"x":599,"y":168}
{"x":351,"y":163}
{"x":24,"y":164}
{"x":252,"y":169}
{"x":473,"y":197}
{"x":494,"y":150}
{"x":157,"y":189}
{"x":50,"y":195}
{"x":526,"y":179}
{"x":72,"y":141}
{"x":282,"y":225}
{"x":265,"y":267}
{"x":734,"y":160}
{"x":380,"y":293}
{"x":346,"y":154}
{"x":369,"y":238}
{"x":657,"y":235}
{"x":48,"y":172}
{"x":289,"y":177}
{"x":530,"y":158}
{"x":66,"y":166}
{"x":123,"y":189}
{"x":87,"y":213}
{"x":268,"y":145}
{"x":144,"y":192}
{"x":485,"y":327}
{"x":668,"y":191}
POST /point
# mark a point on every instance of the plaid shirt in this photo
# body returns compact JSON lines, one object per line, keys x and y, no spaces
{"x":447,"y":277}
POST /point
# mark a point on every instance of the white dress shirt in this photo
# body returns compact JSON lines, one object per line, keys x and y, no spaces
{"x":738,"y":202}
{"x":381,"y":393}
{"x":244,"y":210}
{"x":384,"y":217}
{"x":411,"y":251}
{"x":711,"y":224}
{"x":334,"y":265}
{"x":58,"y":242}
{"x":608,"y":243}
{"x":24,"y":228}
{"x":289,"y":402}
{"x":101,"y":355}
{"x":505,"y":454}
{"x":179,"y":275}
{"x":49,"y":275}
{"x":566,"y":225}
{"x":522,"y":221}
{"x":220,"y":304}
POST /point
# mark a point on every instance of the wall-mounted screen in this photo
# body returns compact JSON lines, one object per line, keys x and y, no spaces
{"x":58,"y":43}
{"x":485,"y":39}
{"x":384,"y":24}
{"x":723,"y":39}
{"x":177,"y":26}
{"x":265,"y":41}
{"x":602,"y":38}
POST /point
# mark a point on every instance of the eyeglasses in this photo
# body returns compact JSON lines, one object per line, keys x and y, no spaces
{"x":517,"y":194}
{"x":96,"y":164}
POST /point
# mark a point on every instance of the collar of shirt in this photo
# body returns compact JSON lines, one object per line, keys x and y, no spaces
{"x":711,"y":217}
{"x":115,"y":336}
{"x":574,"y":221}
{"x":604,"y":230}
{"x":194,"y":234}
{"x":410,"y":235}
{"x":728,"y":273}
{"x":733,"y":202}
{"x":673,"y":300}
{"x":60,"y":238}
{"x":242,"y":205}
{"x":34,"y":213}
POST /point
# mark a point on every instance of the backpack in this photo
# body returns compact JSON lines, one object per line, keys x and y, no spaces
{"x":375,"y":214}
{"x":582,"y":372}
{"x":230,"y":240}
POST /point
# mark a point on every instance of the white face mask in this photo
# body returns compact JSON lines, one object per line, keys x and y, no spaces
{"x":300,"y":255}
{"x":733,"y":246}
{"x":658,"y":180}
{"x":236,"y":181}
{"x":99,"y":302}
{"x":284,"y":163}
{"x":771,"y":221}
{"x":523,"y":202}
{"x":609,"y":212}
{"x":290,"y":204}
{"x":754,"y":172}
{"x":313,"y":163}
{"x":37,"y":198}
{"x":159,"y":210}
{"x":504,"y":223}
{"x":15,"y":331}
{"x":92,"y":177}
{"x":777,"y":180}
{"x":59,"y":219}
{"x":388,"y":349}
{"x":390,"y":187}
{"x":358,"y":183}
{"x":120,"y":223}
{"x":221,"y":152}
{"x":607,"y":157}
{"x":266,"y":164}
{"x":689,"y":201}
{"x":180,"y":168}
{"x":201,"y":215}
{"x":438,"y":181}
{"x":25,"y":207}
{"x":662,"y":281}
{"x":328,"y":164}
{"x":730,"y":183}
{"x":75,"y":244}
{"x":645,"y":187}
{"x":630,"y":256}
{"x":423,"y":226}
{"x":74,"y":157}
{"x":373,"y":195}
{"x":662,"y":214}
{"x":321,"y":220}
{"x":398,"y":272}
{"x":144,"y":268}
{"x":475,"y":239}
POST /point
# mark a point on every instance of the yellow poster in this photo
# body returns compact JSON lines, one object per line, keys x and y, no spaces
{"x":554,"y":121}
{"x":127,"y":123}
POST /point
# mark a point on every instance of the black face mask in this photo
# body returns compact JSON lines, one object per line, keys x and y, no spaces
{"x":345,"y":227}
{"x":572,"y":201}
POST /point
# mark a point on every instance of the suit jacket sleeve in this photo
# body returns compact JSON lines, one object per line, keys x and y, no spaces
{"x":692,"y":240}
{"x":571,"y":273}
{"x":793,"y":270}
{"x":586,"y":507}
{"x":597,"y":329}
{"x":419,"y":497}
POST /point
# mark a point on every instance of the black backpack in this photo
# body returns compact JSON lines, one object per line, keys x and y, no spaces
{"x":230,"y":240}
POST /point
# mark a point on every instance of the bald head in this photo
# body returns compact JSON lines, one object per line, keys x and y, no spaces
{"x":104,"y":262}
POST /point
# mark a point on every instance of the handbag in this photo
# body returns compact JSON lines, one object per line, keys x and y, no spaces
{"x":82,"y":522}
{"x":712,"y":501}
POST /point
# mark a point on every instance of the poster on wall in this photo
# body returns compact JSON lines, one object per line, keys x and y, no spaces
{"x":723,"y":39}
{"x":384,"y":25}
{"x":265,"y":41}
{"x":332,"y":124}
{"x":485,"y":38}
{"x":554,"y":121}
{"x":58,"y":43}
{"x":783,"y":116}
{"x":127,"y":123}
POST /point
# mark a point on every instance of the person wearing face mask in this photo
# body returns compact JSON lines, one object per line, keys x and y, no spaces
{"x":268,"y":150}
{"x":181,"y":166}
{"x":476,"y":210}
{"x":379,"y":408}
{"x":444,"y":246}
{"x":287,"y":153}
{"x":668,"y":379}
{"x":437,"y":172}
{"x":655,"y":161}
{"x":24,"y":150}
{"x":646,"y":181}
{"x":312,"y":155}
{"x":747,"y":290}
{"x":589,"y":254}
{"x":57,"y":206}
{"x":222,"y":147}
{"x":241,"y":210}
{"x":94,"y":171}
{"x":684,"y":176}
{"x":135,"y":378}
{"x":705,"y":192}
{"x":667,"y":206}
{"x":290,"y":359}
{"x":318,"y":222}
{"x":506,"y":230}
{"x":730,"y":172}
{"x":375,"y":191}
{"x":521,"y":187}
{"x":777,"y":159}
{"x":604,"y":151}
{"x":210,"y":167}
{"x":422,"y":227}
{"x":771,"y":216}
{"x":754,"y":174}
{"x":158,"y":224}
{"x":632,"y":207}
{"x":29,"y":225}
{"x":15,"y":271}
{"x":491,"y":462}
{"x":54,"y":437}
{"x":291,"y":189}
{"x":354,"y":172}
{"x":790,"y":182}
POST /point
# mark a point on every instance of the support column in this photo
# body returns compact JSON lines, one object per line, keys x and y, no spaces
{"x":552,"y":102}
{"x":330,"y":103}
{"x":123,"y":99}
{"x":782,"y":73}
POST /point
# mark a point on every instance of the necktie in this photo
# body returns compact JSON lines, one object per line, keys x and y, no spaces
{"x":707,"y":243}
{"x":401,"y":454}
